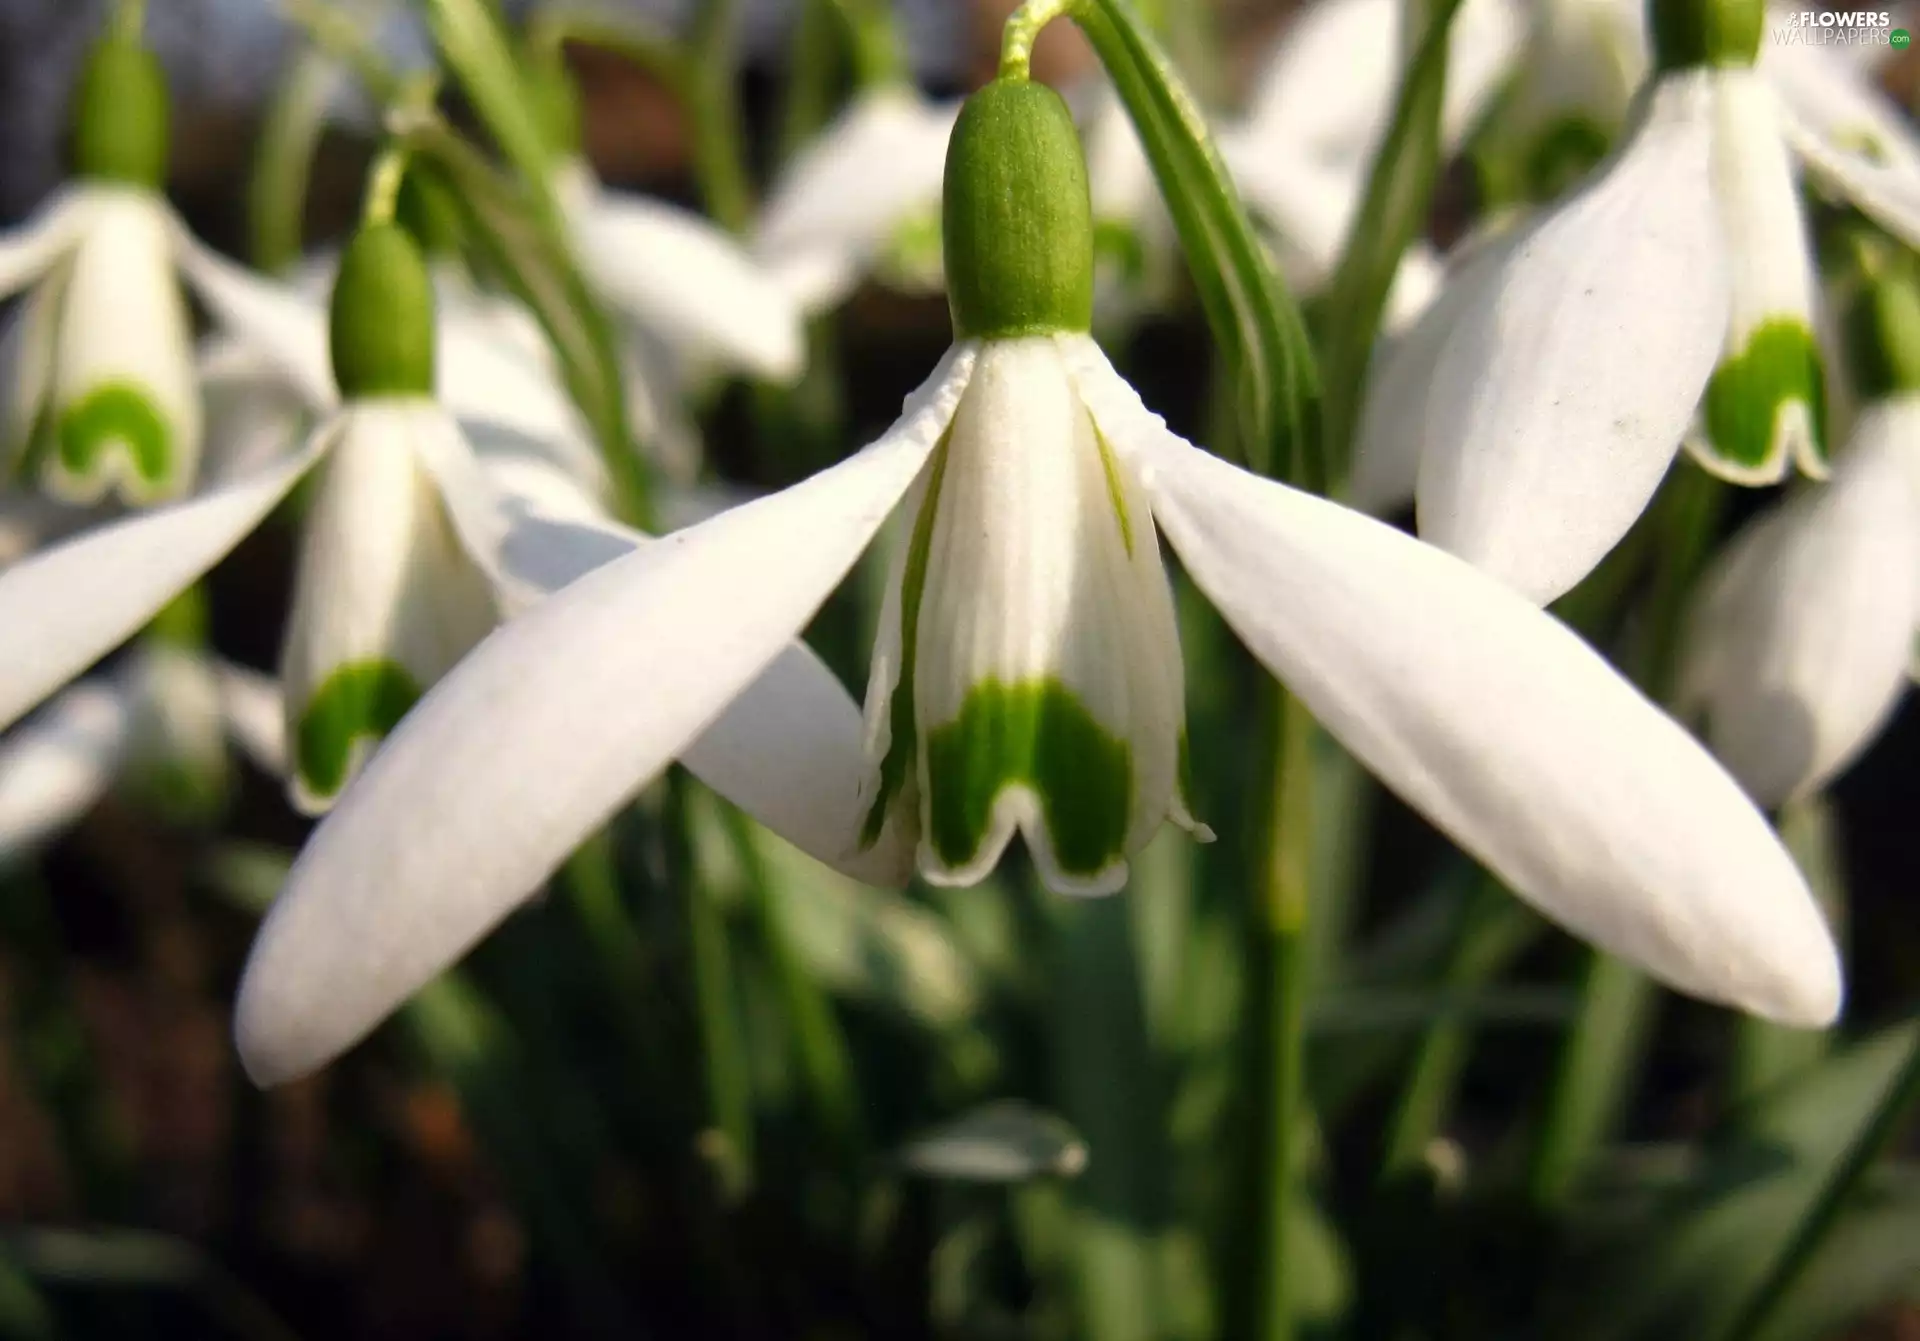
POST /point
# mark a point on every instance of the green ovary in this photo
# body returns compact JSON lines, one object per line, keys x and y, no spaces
{"x":115,"y":416}
{"x":1781,"y":364}
{"x":363,"y":700}
{"x":1035,"y":734}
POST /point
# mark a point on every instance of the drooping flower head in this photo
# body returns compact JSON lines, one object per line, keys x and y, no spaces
{"x":1026,"y":677}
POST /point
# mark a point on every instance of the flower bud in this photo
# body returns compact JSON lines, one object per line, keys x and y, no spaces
{"x":1692,"y":33}
{"x":381,"y":328}
{"x":120,"y":111}
{"x":1883,"y":334}
{"x":1017,"y":217}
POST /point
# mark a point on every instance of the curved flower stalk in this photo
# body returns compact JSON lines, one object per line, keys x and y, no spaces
{"x":161,"y":722}
{"x":1028,"y":675}
{"x":102,"y":398}
{"x":845,"y":203}
{"x":1799,"y":645}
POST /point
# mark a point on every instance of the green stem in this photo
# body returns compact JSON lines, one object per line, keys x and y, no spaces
{"x":1600,"y":1060}
{"x":1872,"y":1140}
{"x":1493,"y":929}
{"x":383,"y":185}
{"x":1282,"y":954}
{"x":129,"y":20}
{"x":719,"y":148}
{"x":729,"y":1142}
{"x":879,"y":56}
{"x":1022,"y":30}
{"x":337,"y":34}
{"x":1765,"y":1053}
{"x":825,"y":1059}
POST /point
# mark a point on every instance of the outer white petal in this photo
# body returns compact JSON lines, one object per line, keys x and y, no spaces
{"x":382,"y":582}
{"x":256,"y":716}
{"x":278,"y":321}
{"x":29,"y":250}
{"x":1503,"y":728}
{"x":788,"y":750}
{"x":1849,"y":135}
{"x":123,"y":325}
{"x":1574,"y":370}
{"x":1798,"y":650}
{"x":879,"y":162}
{"x":66,"y":607}
{"x":683,"y":278}
{"x":537,"y":737}
{"x":1392,"y":431}
{"x":254,"y":414}
{"x":1772,"y":290}
{"x":54,"y":767}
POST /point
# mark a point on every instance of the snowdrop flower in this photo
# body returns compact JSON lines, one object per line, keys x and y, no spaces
{"x":102,"y":397}
{"x":674,"y":276}
{"x":845,"y":200}
{"x":1669,"y":298}
{"x":1799,"y":645}
{"x":1028,"y":675}
{"x":160,"y":723}
{"x":392,"y":581}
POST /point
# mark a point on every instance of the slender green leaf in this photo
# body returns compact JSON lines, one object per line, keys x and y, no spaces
{"x":1253,"y":316}
{"x":538,"y":268}
{"x":1392,"y":214}
{"x":469,"y":36}
{"x":283,"y":161}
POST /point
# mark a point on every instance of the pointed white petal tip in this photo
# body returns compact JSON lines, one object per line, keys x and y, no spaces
{"x":1017,"y":809}
{"x":1509,"y":733}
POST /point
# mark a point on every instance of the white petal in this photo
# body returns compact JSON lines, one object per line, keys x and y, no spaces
{"x":683,"y":278}
{"x":124,"y":402}
{"x":256,"y":716}
{"x":178,"y":730}
{"x":26,"y":364}
{"x":29,"y":250}
{"x":384,"y":601}
{"x":53,"y":768}
{"x":1851,"y":138}
{"x":788,"y":750}
{"x":1798,"y":650}
{"x":1506,"y":731}
{"x":277,"y":320}
{"x":1574,"y":369}
{"x":1760,"y":415}
{"x":254,"y":415}
{"x":880,"y":162}
{"x":1392,"y":431}
{"x":1042,"y":575}
{"x":67,"y":606}
{"x":539,"y":735}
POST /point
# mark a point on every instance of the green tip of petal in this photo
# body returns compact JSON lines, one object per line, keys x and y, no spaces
{"x":120,"y":113}
{"x":113,"y":428}
{"x":1692,"y":33}
{"x":381,"y":324}
{"x":1040,"y":736}
{"x":1779,"y":373}
{"x":1017,"y":218}
{"x":359,"y":703}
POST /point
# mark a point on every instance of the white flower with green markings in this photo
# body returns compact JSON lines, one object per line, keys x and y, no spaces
{"x":1669,"y":299}
{"x":1799,"y":643}
{"x":101,"y":398}
{"x":1028,"y":676}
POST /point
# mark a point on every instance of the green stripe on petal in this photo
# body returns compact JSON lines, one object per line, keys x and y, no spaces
{"x":1115,"y":493}
{"x":1039,"y":735}
{"x":1780,"y":367}
{"x":361,"y":701}
{"x":897,"y":766}
{"x":115,"y":419}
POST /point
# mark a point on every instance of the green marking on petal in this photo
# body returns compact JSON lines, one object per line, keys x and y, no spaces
{"x":115,"y":417}
{"x":363,"y":700}
{"x":1039,"y":734}
{"x":1780,"y":365}
{"x":1111,"y":469}
{"x":1562,"y":154}
{"x":897,"y":766}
